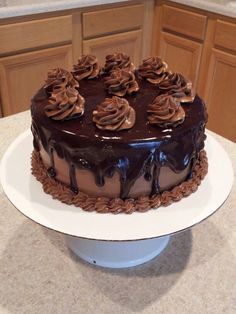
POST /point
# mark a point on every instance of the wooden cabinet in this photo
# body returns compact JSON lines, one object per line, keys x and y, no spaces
{"x":220,"y":94}
{"x":181,"y":54}
{"x":225,"y":35}
{"x":31,"y":46}
{"x":17,"y":37}
{"x":129,"y":42}
{"x":202,"y":46}
{"x":22,"y":75}
{"x":111,"y":30}
{"x":26,"y":57}
{"x":183,"y":22}
{"x":179,"y":35}
{"x":220,"y":72}
{"x":115,"y":20}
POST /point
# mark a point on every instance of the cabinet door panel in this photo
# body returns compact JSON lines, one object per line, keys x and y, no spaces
{"x":184,"y":22}
{"x":220,"y":94}
{"x":35,"y":34}
{"x":23,"y":74}
{"x":182,"y":55}
{"x":101,"y":22}
{"x":129,"y":42}
{"x":225,"y":35}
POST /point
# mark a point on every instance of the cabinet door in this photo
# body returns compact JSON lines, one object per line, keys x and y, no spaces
{"x":129,"y":42}
{"x":220,"y":94}
{"x":22,"y":75}
{"x":182,"y":55}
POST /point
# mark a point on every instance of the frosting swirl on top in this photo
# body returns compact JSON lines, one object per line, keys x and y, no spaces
{"x":120,"y":82}
{"x":118,"y":60}
{"x":165,"y":111}
{"x":87,"y":67}
{"x":58,"y":78}
{"x":153,"y":70}
{"x":178,"y":86}
{"x":65,"y":104}
{"x":114,"y":114}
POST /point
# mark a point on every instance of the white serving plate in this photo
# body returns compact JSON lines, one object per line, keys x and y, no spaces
{"x":26,"y":193}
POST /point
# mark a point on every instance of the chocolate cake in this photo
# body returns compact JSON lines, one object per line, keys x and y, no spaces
{"x":118,"y":139}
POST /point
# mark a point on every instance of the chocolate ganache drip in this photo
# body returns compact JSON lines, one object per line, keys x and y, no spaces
{"x":153,"y":70}
{"x":165,"y":111}
{"x":118,"y":60}
{"x":58,"y":78}
{"x":120,"y":82}
{"x":114,"y":114}
{"x":179,"y":87}
{"x":65,"y":104}
{"x":87,"y":67}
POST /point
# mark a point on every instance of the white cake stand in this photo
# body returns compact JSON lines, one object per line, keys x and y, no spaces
{"x":106,"y":239}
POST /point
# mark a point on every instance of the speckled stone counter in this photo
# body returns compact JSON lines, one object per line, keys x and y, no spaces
{"x":14,"y":8}
{"x":224,"y":7}
{"x":38,"y":273}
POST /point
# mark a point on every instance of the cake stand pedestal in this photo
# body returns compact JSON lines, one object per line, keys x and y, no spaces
{"x":117,"y":254}
{"x":109,"y":240}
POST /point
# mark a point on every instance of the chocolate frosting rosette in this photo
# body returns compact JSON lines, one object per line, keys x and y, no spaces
{"x":118,"y":60}
{"x":87,"y":67}
{"x":179,"y":87}
{"x":120,"y":82}
{"x":65,"y":104}
{"x":166,"y":111}
{"x":153,"y":70}
{"x":114,"y":114}
{"x":58,"y":78}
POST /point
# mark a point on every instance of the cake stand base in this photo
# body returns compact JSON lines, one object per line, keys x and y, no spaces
{"x":115,"y":254}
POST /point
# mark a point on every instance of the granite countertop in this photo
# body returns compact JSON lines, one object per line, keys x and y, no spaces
{"x":224,"y":7}
{"x":14,"y":8}
{"x":38,"y":274}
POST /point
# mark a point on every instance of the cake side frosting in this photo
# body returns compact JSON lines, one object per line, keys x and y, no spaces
{"x":116,"y":205}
